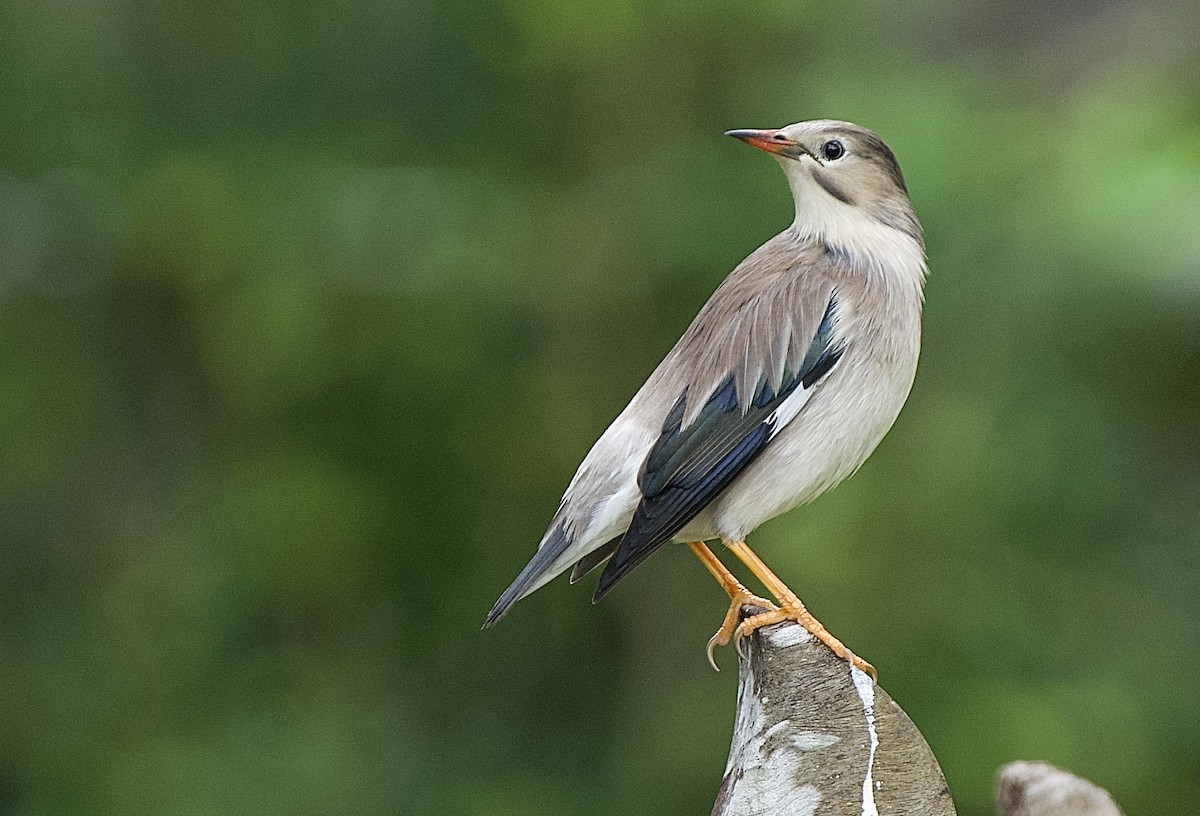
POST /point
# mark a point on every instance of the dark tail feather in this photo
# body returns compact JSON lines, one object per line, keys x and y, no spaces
{"x":634,"y":547}
{"x":551,"y":549}
{"x":594,"y":559}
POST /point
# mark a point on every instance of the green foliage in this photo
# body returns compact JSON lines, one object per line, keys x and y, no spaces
{"x":308,"y":312}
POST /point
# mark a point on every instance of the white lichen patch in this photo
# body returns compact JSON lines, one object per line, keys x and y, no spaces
{"x":776,"y":728}
{"x":812,"y":740}
{"x":764,"y":759}
{"x":747,"y":744}
{"x":782,"y":637}
{"x":865,"y":686}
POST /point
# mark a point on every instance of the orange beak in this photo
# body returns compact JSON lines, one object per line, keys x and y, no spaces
{"x":772,"y":141}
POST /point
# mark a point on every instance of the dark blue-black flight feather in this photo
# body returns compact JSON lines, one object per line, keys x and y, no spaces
{"x":689,"y":467}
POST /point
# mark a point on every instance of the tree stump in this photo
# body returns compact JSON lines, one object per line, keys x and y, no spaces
{"x":1038,"y":789}
{"x":815,"y":737}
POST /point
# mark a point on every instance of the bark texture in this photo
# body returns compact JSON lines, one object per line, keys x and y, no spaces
{"x":814,"y":737}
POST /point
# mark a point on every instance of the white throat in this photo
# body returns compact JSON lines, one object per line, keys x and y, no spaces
{"x":879,"y":249}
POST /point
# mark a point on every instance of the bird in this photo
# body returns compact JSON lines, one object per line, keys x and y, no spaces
{"x":781,"y":387}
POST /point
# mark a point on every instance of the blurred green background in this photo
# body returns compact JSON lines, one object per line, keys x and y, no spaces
{"x":308,"y":312}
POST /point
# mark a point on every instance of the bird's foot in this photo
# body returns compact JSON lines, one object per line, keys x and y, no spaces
{"x":797,"y":613}
{"x":739,"y":598}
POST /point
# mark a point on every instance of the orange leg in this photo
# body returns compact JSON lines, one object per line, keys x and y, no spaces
{"x":738,"y":596}
{"x":790,"y":608}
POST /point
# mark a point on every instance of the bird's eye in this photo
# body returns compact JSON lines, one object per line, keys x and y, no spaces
{"x":833,"y":150}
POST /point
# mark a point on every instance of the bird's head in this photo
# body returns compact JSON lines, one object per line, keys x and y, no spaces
{"x":840,"y":174}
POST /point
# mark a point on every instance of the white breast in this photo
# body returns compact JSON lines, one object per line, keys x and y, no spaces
{"x":851,"y":410}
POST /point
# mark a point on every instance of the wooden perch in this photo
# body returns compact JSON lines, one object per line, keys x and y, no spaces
{"x":1038,"y":789}
{"x":813,"y":737}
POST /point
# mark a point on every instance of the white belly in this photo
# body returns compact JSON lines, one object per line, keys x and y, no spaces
{"x":833,"y":435}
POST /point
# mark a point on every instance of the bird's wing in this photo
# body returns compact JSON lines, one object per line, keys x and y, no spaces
{"x":693,"y":461}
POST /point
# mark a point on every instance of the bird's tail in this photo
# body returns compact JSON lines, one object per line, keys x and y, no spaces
{"x":537,"y":572}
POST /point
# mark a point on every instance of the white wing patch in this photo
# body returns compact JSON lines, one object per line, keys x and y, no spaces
{"x":788,"y":409}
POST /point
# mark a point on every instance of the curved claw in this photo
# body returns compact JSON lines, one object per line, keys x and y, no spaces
{"x":733,"y":623}
{"x":737,"y":644}
{"x":708,"y":650}
{"x":862,"y":665}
